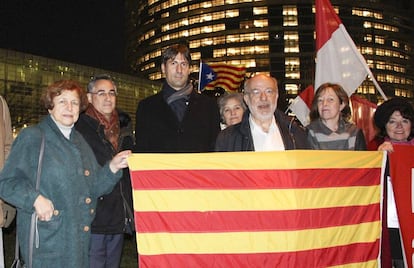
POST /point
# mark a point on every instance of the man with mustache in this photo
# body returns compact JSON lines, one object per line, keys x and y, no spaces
{"x":263,"y":127}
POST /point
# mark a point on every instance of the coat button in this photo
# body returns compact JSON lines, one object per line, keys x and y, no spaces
{"x":86,"y":172}
{"x":55,"y":212}
{"x":86,"y":228}
{"x":88,"y":200}
{"x":92,"y":211}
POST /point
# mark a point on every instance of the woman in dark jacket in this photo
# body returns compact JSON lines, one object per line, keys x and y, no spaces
{"x":71,"y":181}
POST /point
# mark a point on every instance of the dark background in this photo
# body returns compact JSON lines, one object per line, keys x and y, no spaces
{"x":87,"y":32}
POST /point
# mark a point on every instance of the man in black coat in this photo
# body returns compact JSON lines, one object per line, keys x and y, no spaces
{"x":177,"y":119}
{"x":263,"y":127}
{"x":100,"y":126}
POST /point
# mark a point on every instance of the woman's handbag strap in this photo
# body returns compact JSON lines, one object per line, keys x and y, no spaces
{"x":16,"y":262}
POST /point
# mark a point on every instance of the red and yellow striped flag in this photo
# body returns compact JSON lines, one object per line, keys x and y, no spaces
{"x":258,"y":209}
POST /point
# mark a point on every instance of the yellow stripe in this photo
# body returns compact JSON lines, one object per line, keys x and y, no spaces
{"x":295,"y":159}
{"x":259,"y":200}
{"x":256,"y":242}
{"x":367,"y":264}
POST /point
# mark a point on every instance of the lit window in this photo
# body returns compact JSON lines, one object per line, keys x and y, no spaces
{"x":379,"y":40}
{"x":291,"y":42}
{"x":395,"y":44}
{"x":196,"y":55}
{"x":232,"y":13}
{"x":292,"y":89}
{"x":290,"y":16}
{"x":260,"y":23}
{"x":259,"y":10}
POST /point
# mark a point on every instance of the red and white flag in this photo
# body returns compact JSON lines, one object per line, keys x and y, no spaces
{"x":337,"y":58}
{"x":302,"y":104}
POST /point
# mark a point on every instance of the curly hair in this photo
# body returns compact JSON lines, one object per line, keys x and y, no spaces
{"x":56,"y":89}
{"x":386,"y":109}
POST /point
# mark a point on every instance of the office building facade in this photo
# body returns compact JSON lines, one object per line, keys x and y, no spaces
{"x":274,"y":37}
{"x":23,"y":76}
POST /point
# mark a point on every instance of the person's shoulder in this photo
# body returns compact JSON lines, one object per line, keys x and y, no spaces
{"x":231,"y":130}
{"x":85,"y":121}
{"x":155,"y":97}
{"x":350,"y":126}
{"x":30,"y":131}
{"x":205,"y":102}
{"x":312,"y":124}
{"x":29,"y":135}
{"x":152,"y":100}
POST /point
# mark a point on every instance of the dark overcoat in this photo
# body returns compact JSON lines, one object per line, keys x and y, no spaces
{"x":158,"y":130}
{"x":239,"y":137}
{"x":111,"y":214}
{"x":71,"y":178}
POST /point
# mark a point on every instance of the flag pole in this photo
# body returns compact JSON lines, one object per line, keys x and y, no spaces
{"x":377,"y":86}
{"x":364,"y":63}
{"x":199,"y":77}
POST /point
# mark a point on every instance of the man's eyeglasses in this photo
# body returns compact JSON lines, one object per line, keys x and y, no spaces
{"x":103,"y":94}
{"x":256,"y":92}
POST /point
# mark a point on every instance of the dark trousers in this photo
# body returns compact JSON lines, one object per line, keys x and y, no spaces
{"x":396,"y":249}
{"x":105,"y":250}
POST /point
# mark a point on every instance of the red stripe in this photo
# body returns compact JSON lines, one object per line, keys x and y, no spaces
{"x":354,"y":253}
{"x":228,"y":80}
{"x":229,"y":73}
{"x":327,"y":22}
{"x":228,"y":221}
{"x":254,"y":179}
{"x":222,"y":67}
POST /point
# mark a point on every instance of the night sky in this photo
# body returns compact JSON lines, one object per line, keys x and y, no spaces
{"x":88,"y":32}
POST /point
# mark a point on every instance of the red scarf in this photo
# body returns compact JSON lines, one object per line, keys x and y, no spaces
{"x":111,"y":128}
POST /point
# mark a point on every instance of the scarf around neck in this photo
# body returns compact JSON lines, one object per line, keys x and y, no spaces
{"x":181,"y":93}
{"x":111,"y":128}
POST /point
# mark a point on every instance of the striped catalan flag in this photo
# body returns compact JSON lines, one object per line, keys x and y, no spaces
{"x":226,"y":76}
{"x":258,"y":209}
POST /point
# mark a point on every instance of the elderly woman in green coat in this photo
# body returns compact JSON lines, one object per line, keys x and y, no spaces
{"x":71,"y":181}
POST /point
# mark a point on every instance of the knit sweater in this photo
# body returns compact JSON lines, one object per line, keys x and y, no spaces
{"x":347,"y":137}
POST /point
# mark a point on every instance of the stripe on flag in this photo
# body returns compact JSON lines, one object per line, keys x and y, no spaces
{"x":244,"y":209}
{"x":337,"y":59}
{"x":222,"y":75}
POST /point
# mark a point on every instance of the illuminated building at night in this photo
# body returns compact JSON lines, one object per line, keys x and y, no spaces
{"x":275,"y":37}
{"x":23,"y":76}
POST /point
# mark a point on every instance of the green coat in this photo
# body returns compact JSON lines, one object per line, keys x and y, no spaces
{"x":71,"y":178}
